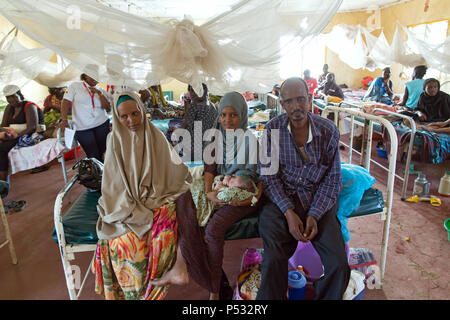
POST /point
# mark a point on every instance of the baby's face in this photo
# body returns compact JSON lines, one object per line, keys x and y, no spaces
{"x":235,"y":182}
{"x":226,"y":179}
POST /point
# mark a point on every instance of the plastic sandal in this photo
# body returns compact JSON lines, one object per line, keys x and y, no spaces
{"x":20,"y":205}
{"x":9,"y":206}
{"x":435,"y":202}
{"x":413,"y":199}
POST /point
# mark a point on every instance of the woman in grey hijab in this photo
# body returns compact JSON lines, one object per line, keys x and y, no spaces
{"x":202,"y":248}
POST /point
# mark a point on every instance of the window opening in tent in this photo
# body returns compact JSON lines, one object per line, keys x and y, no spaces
{"x":433,"y":33}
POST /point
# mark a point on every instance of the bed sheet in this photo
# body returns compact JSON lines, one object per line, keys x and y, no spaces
{"x":35,"y":156}
{"x":428,"y":146}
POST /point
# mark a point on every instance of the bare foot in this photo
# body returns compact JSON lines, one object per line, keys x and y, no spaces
{"x":213,"y":296}
{"x":177,"y":275}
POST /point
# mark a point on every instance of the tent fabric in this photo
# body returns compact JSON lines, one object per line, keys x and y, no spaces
{"x":238,"y":50}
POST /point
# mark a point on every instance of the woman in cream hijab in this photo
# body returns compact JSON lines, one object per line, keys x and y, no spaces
{"x":137,"y":225}
{"x":201,"y":247}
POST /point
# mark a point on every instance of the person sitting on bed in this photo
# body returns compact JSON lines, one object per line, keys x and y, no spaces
{"x":18,"y":112}
{"x":203,"y":248}
{"x":310,"y":81}
{"x":54,"y":100}
{"x":414,"y":88}
{"x":381,"y":90}
{"x":200,"y":110}
{"x":433,"y":105}
{"x":276,"y":90}
{"x":323,"y":76}
{"x":147,"y":100}
{"x":137,"y":224}
{"x":52,"y":110}
{"x":303,"y":197}
{"x":157,"y":98}
{"x":437,"y":127}
{"x":332,"y":89}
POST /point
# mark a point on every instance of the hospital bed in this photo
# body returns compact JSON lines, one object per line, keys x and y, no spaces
{"x":26,"y":158}
{"x":377,"y":127}
{"x":366,"y":160}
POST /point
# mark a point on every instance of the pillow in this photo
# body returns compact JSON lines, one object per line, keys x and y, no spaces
{"x":355,"y":181}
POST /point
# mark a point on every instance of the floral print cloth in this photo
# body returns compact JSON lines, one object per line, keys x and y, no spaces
{"x":124,"y":266}
{"x":206,"y":207}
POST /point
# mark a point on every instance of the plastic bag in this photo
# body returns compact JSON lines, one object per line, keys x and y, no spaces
{"x":90,"y":172}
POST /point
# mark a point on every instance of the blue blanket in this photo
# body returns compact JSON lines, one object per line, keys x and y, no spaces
{"x":355,"y":181}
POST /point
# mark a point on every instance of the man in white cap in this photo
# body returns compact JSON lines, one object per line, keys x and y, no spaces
{"x":18,"y":112}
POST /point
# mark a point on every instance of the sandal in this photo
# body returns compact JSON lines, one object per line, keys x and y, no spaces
{"x":20,"y":205}
{"x":8,"y":206}
{"x":14,"y":206}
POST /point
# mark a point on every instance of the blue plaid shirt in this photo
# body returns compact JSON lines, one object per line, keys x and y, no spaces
{"x":316,"y":182}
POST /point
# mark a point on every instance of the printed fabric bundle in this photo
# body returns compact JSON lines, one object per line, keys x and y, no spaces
{"x":28,"y":140}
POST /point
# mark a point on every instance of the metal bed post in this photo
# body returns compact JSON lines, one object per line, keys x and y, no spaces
{"x":65,"y":255}
{"x":368,"y":151}
{"x":352,"y":125}
{"x":68,"y":251}
{"x":363,"y":153}
{"x":410,"y":148}
{"x":391,"y":175}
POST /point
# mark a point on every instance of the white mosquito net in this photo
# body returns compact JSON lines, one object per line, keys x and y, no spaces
{"x":373,"y":52}
{"x":237,"y":50}
{"x":19,"y":65}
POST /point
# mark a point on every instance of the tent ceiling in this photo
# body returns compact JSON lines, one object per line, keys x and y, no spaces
{"x":200,"y":9}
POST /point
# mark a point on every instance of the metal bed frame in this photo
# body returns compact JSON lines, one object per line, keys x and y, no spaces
{"x":68,"y":250}
{"x":367,"y":139}
{"x":387,"y":212}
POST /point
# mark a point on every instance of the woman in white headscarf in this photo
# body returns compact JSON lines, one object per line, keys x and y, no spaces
{"x":19,"y":114}
{"x":137,"y":225}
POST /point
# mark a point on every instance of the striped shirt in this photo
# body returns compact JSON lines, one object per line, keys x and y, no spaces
{"x":315,"y":178}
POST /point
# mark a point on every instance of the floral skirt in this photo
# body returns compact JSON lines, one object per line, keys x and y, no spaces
{"x":124,"y":266}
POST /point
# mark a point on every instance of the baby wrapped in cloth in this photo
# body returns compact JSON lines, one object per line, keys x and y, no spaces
{"x":230,"y":188}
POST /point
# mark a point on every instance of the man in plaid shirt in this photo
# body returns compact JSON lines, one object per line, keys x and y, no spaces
{"x":303,"y":197}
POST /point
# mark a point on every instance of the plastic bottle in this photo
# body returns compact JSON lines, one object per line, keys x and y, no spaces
{"x":444,"y":185}
{"x":300,"y":269}
{"x":421,"y":186}
{"x":296,"y":285}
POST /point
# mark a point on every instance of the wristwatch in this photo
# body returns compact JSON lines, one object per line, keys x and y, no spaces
{"x":254,"y":200}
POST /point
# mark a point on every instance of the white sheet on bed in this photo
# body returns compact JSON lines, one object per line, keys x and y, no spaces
{"x":35,"y":156}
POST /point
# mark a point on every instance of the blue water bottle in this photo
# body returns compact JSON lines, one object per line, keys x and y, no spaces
{"x":296,"y":285}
